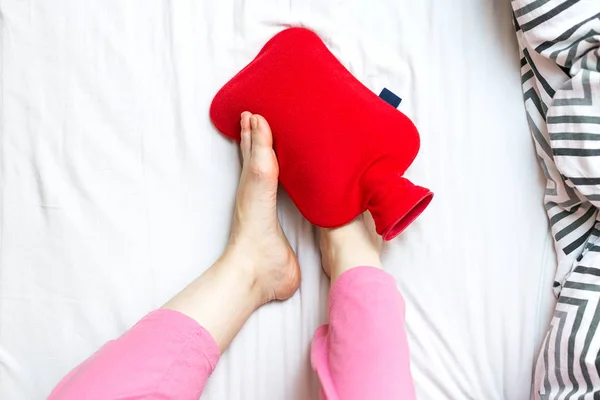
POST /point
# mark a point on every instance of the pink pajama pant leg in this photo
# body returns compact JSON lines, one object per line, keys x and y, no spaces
{"x":165,"y":356}
{"x":363,"y":352}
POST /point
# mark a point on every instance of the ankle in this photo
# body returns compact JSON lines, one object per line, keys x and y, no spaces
{"x":240,"y":271}
{"x":342,"y":250}
{"x":350,"y":258}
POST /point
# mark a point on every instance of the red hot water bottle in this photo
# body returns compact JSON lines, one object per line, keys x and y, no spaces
{"x":341,"y":149}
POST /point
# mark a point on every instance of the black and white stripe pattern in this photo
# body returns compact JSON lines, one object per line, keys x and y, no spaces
{"x":559,"y":42}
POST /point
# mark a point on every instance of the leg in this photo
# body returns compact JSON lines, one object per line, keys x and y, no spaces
{"x":172,"y":351}
{"x":165,"y":355}
{"x":363,"y":352}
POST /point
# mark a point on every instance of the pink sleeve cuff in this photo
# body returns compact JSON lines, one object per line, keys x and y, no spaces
{"x":363,"y":352}
{"x":355,"y":280}
{"x":166,"y":354}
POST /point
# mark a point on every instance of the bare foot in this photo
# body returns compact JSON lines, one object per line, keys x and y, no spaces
{"x":258,"y":264}
{"x":352,"y":245}
{"x":256,"y":234}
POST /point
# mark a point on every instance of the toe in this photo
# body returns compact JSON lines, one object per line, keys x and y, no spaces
{"x":246,"y":137}
{"x":263,"y":163}
{"x":262,"y":138}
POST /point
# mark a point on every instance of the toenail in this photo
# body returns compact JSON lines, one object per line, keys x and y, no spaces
{"x":254,"y":122}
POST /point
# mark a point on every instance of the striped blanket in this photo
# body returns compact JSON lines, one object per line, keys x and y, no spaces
{"x":559,"y":42}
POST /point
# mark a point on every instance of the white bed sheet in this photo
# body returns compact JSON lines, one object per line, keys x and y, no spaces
{"x":117,"y":190}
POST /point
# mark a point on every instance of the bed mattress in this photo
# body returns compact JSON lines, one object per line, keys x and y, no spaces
{"x":117,"y":190}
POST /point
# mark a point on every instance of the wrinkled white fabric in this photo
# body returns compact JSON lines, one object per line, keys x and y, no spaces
{"x":117,"y":190}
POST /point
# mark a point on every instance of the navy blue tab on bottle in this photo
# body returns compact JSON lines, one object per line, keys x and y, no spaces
{"x":390,"y":98}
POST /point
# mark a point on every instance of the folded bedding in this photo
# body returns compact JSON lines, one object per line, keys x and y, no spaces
{"x":559,"y":44}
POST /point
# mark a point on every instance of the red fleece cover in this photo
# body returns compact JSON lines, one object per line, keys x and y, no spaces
{"x":341,"y":149}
